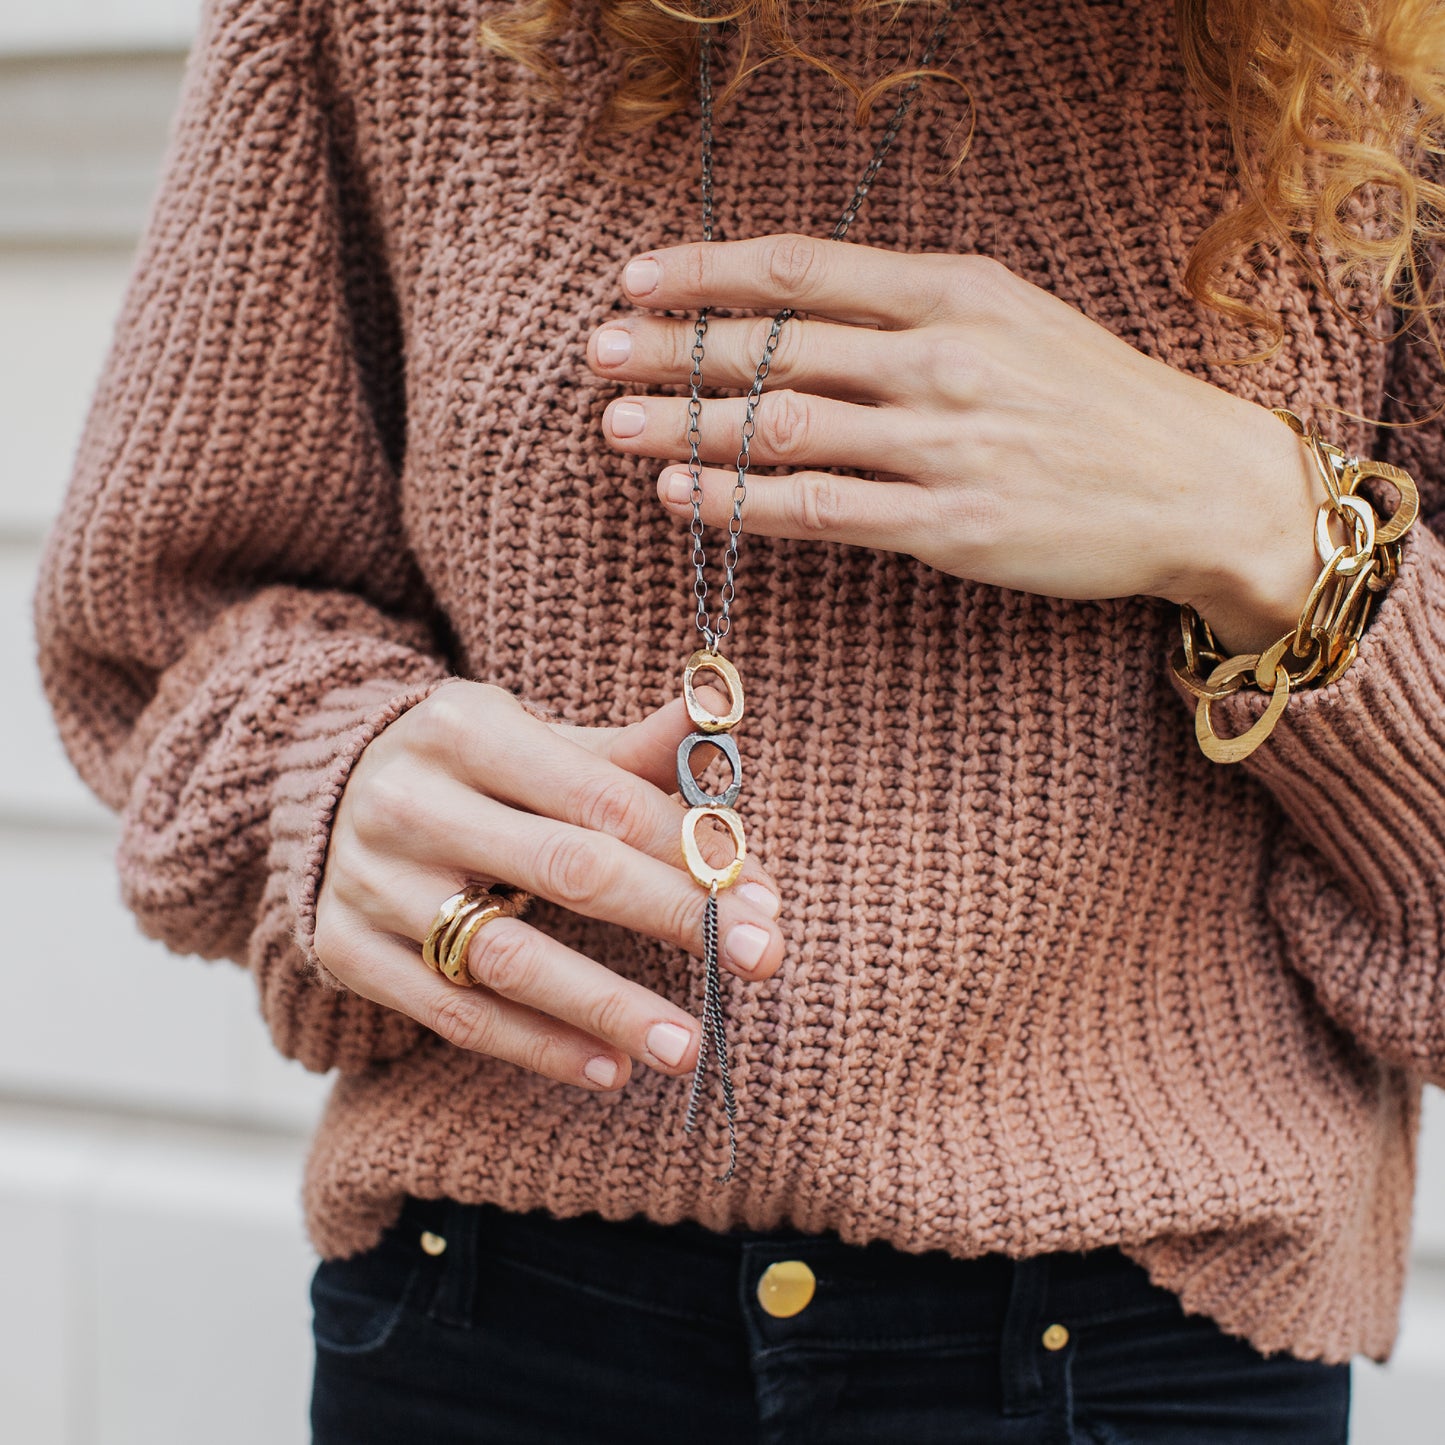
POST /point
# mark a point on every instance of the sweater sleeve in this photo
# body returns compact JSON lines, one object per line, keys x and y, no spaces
{"x":226,"y":609}
{"x":1357,"y":767}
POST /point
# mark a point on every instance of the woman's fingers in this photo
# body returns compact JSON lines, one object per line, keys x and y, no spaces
{"x":647,"y":748}
{"x":418,"y":818}
{"x":523,"y":963}
{"x":790,"y":428}
{"x":597,"y":874}
{"x":526,"y":763}
{"x":485,"y":1022}
{"x":894,"y":516}
{"x":850,"y":363}
{"x":840,"y":279}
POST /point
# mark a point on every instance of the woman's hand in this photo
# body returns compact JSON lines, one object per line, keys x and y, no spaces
{"x":1017,"y":442}
{"x":467,"y":785}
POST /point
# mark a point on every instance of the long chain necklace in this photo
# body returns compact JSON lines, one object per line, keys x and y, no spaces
{"x":714,"y":727}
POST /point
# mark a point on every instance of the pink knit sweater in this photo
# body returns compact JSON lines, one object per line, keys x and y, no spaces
{"x":1053,"y":979}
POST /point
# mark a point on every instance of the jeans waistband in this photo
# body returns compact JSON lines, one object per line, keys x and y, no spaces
{"x":693,"y":1273}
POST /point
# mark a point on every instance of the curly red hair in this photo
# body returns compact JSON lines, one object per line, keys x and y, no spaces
{"x":1324,"y":99}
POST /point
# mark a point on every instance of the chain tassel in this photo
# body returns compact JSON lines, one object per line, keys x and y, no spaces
{"x":714,"y":729}
{"x":714,"y":1034}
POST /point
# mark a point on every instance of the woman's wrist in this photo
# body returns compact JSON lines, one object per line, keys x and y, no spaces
{"x":1258,"y":568}
{"x":1334,"y":613}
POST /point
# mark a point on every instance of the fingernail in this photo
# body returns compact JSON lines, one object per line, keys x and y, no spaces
{"x":641,"y":275}
{"x":602,"y":1071}
{"x":667,"y":1042}
{"x":626,"y":419}
{"x":746,"y":944}
{"x":766,"y":900}
{"x":613,"y":347}
{"x":677,"y":486}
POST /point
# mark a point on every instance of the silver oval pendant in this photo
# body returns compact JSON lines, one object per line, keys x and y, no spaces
{"x":688,"y":785}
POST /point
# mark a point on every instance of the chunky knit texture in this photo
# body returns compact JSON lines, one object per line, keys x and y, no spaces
{"x":1053,"y":979}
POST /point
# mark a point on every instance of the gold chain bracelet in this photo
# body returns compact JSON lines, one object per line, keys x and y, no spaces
{"x":1326,"y":639}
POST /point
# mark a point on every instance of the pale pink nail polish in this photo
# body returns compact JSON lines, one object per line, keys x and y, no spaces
{"x":627,"y":419}
{"x":767,"y":901}
{"x":667,"y":1042}
{"x":613,"y":347}
{"x":677,"y":486}
{"x":602,"y":1071}
{"x":642,"y":275}
{"x":746,"y":943}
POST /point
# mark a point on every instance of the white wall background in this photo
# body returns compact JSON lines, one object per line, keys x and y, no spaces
{"x":153,"y":1267}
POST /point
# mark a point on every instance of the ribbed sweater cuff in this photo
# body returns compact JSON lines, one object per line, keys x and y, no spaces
{"x":1359,"y":763}
{"x":312,"y":772}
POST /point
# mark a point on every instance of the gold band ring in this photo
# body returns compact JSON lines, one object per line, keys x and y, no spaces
{"x":458,"y":920}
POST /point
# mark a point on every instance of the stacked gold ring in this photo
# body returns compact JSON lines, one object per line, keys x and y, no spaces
{"x":458,"y":920}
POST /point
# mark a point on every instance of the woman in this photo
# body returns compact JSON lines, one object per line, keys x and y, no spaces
{"x":1076,"y":1071}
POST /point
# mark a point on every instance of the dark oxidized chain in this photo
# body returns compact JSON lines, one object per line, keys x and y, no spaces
{"x":714,"y":728}
{"x":714,"y":635}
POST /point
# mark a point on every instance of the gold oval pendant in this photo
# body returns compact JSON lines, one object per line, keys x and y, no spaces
{"x":711,"y":722}
{"x":697,"y":865}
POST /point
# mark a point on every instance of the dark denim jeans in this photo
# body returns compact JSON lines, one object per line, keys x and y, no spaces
{"x":528,"y":1330}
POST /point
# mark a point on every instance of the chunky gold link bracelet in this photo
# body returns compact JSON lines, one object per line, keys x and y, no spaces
{"x":1326,"y":639}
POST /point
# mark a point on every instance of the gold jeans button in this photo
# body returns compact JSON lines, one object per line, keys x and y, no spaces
{"x":785,"y":1287}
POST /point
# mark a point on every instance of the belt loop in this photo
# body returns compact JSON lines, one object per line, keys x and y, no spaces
{"x":455,"y":1295}
{"x":1020,"y":1381}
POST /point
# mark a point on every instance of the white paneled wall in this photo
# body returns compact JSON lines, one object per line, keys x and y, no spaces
{"x":153,"y":1266}
{"x":152,"y":1263}
{"x":112,"y":27}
